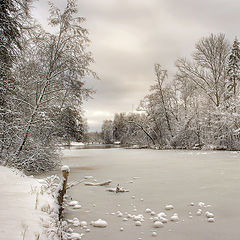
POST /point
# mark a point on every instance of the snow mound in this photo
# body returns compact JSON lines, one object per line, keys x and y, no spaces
{"x":77,"y":206}
{"x":161,"y":214}
{"x":76,"y":236}
{"x":100,"y":223}
{"x":158,"y":224}
{"x":169,"y":207}
{"x":211,"y":220}
{"x":83,"y":223}
{"x":209,"y":215}
{"x":138,"y":223}
{"x":65,"y":168}
{"x":174,"y":218}
{"x":163,"y":220}
{"x":148,"y":210}
{"x":154,"y":234}
{"x":73,"y":203}
{"x":201,"y":204}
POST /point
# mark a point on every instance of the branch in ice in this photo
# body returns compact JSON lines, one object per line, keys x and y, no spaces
{"x":98,"y":184}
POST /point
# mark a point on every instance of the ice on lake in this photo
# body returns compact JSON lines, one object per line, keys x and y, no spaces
{"x":190,"y":181}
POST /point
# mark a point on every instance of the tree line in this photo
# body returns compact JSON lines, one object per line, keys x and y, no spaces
{"x":198,"y":108}
{"x":42,"y":84}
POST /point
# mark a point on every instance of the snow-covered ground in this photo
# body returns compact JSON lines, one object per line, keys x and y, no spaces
{"x":27,"y":211}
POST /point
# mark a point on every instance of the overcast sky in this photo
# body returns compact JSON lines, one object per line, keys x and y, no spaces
{"x":129,"y":36}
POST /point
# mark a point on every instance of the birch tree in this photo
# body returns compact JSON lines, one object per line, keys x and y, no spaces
{"x":49,"y":78}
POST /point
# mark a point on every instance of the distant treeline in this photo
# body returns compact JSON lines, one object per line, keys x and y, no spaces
{"x":198,"y":108}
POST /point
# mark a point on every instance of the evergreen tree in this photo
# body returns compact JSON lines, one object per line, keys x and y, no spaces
{"x":233,"y":69}
{"x":13,"y":14}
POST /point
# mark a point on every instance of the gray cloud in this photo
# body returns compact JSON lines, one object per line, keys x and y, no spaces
{"x":128,"y":37}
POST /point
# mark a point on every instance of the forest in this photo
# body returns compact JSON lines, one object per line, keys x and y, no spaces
{"x":43,"y":87}
{"x":197,"y":109}
{"x":42,"y":84}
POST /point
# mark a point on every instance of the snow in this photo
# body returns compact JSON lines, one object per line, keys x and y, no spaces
{"x":77,"y":206}
{"x":83,"y":223}
{"x":76,"y":236}
{"x":24,"y":211}
{"x":174,"y":218}
{"x":161,"y":214}
{"x":199,"y":212}
{"x":138,"y":217}
{"x":153,"y":213}
{"x":168,"y":207}
{"x":88,"y":177}
{"x":148,"y":210}
{"x":154,"y":234}
{"x":210,"y":220}
{"x":77,"y":144}
{"x":100,"y":223}
{"x":209,"y":215}
{"x":73,"y":203}
{"x":138,"y":223}
{"x":158,"y":224}
{"x":201,"y":204}
{"x":65,"y":168}
{"x":163,"y":220}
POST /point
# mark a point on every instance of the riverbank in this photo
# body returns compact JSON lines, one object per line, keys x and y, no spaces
{"x":27,"y":211}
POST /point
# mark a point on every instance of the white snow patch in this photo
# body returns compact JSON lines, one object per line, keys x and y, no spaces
{"x":76,"y":236}
{"x":199,"y":212}
{"x":201,"y":204}
{"x":211,"y":220}
{"x":77,"y":144}
{"x":153,"y":213}
{"x":154,"y":234}
{"x":65,"y":168}
{"x":73,"y":203}
{"x":158,"y":224}
{"x":162,"y":214}
{"x":100,"y":223}
{"x":163,"y":220}
{"x":21,"y":207}
{"x":209,"y":215}
{"x":88,"y":177}
{"x":174,"y":218}
{"x":138,"y":223}
{"x":169,"y":207}
{"x":83,"y":223}
{"x":148,"y":210}
{"x":77,"y":206}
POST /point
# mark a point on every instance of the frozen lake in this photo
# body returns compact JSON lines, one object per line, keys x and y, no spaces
{"x":155,"y":179}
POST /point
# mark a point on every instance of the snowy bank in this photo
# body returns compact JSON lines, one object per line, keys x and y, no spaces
{"x":26,"y":210}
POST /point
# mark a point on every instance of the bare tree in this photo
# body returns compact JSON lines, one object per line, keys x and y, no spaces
{"x":161,"y":75}
{"x":207,"y":70}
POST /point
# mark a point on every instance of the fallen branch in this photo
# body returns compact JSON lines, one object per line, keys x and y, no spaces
{"x":98,"y":184}
{"x":120,"y":189}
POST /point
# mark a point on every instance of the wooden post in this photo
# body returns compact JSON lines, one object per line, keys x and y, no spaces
{"x":62,"y":189}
